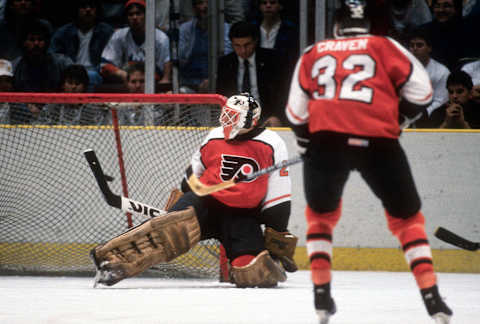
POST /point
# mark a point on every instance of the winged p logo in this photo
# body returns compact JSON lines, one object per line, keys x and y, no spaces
{"x":234,"y":166}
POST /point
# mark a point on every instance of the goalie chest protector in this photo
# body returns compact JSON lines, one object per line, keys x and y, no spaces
{"x":224,"y":160}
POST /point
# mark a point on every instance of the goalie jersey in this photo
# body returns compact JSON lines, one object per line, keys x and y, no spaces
{"x":218,"y":160}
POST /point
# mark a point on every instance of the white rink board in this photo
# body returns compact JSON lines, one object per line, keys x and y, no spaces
{"x":446,"y":167}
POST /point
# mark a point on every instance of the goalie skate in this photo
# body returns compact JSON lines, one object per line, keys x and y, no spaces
{"x":103,"y":275}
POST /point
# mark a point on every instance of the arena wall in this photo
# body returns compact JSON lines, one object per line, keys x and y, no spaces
{"x":446,"y":167}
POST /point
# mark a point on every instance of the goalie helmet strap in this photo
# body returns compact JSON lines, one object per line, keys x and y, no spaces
{"x":159,"y":240}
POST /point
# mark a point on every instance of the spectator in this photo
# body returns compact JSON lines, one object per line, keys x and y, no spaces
{"x":75,"y":80}
{"x":136,"y":78}
{"x":460,"y":111}
{"x":473,"y":69}
{"x":18,"y":13}
{"x":278,"y":33}
{"x":128,"y":44}
{"x":2,"y":9}
{"x":407,"y":15}
{"x":233,"y":10}
{"x":193,"y":49}
{"x":6,"y":85}
{"x":266,"y":78}
{"x":451,"y":35}
{"x":114,"y":13}
{"x":38,"y":70}
{"x":84,"y":39}
{"x":471,"y":8}
{"x":57,"y":12}
{"x":420,"y":46}
{"x":6,"y":76}
{"x":138,"y":115}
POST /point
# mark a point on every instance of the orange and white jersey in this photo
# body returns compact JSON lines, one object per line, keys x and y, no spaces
{"x":218,"y":160}
{"x":353,"y":86}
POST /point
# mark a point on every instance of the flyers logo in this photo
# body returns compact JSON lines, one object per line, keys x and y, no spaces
{"x":237,"y":167}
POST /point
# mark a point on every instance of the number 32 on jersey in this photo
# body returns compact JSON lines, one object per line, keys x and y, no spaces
{"x":358,"y":68}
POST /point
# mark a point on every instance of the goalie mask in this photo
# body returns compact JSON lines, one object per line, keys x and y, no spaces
{"x":240,"y":112}
{"x":352,"y":18}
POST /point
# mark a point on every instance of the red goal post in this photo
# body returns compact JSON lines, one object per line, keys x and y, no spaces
{"x":51,"y":210}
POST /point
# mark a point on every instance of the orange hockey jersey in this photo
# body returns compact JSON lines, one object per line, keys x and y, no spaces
{"x":353,"y":86}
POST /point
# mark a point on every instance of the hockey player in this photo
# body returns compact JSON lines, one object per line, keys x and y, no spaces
{"x":344,"y":103}
{"x":233,"y":216}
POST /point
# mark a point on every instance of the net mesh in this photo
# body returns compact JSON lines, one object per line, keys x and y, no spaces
{"x":51,"y":209}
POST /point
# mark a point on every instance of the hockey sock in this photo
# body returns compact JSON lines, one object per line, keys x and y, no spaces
{"x":319,"y":243}
{"x":411,"y":234}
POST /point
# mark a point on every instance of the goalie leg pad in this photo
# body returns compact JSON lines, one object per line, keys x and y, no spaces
{"x":281,"y":245}
{"x":261,"y":272}
{"x":159,"y":240}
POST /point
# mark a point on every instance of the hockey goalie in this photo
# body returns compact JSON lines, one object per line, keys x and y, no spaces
{"x":250,"y":219}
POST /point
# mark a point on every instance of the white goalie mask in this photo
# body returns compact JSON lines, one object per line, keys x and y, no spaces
{"x":239,"y":112}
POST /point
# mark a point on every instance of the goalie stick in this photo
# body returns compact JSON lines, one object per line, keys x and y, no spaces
{"x":452,"y":238}
{"x":117,"y":201}
{"x":201,"y":189}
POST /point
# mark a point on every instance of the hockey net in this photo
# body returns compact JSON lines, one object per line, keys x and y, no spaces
{"x":51,"y":209}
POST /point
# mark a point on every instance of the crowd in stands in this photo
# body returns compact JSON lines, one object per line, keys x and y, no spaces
{"x":48,"y":44}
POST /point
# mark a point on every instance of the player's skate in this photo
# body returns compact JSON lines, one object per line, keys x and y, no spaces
{"x":436,"y":307}
{"x":324,"y":303}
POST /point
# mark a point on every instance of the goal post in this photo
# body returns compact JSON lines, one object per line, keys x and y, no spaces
{"x":51,"y":210}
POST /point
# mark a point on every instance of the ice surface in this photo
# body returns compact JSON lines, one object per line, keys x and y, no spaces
{"x":361,"y":297}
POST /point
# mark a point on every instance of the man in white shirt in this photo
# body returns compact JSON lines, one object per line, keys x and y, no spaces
{"x":128,"y":45}
{"x":420,"y":46}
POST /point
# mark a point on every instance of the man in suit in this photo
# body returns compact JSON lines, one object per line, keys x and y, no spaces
{"x":267,"y":77}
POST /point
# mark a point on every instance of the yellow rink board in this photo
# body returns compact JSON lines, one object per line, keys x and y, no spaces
{"x":382,"y":259}
{"x":362,"y":259}
{"x":75,"y":255}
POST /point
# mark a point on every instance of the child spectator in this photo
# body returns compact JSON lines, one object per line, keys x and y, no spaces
{"x":84,"y":39}
{"x":75,"y":80}
{"x":136,"y":77}
{"x":460,"y":111}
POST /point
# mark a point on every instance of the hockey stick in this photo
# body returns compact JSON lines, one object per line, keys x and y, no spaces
{"x":120,"y":202}
{"x":201,"y":189}
{"x":452,"y":238}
